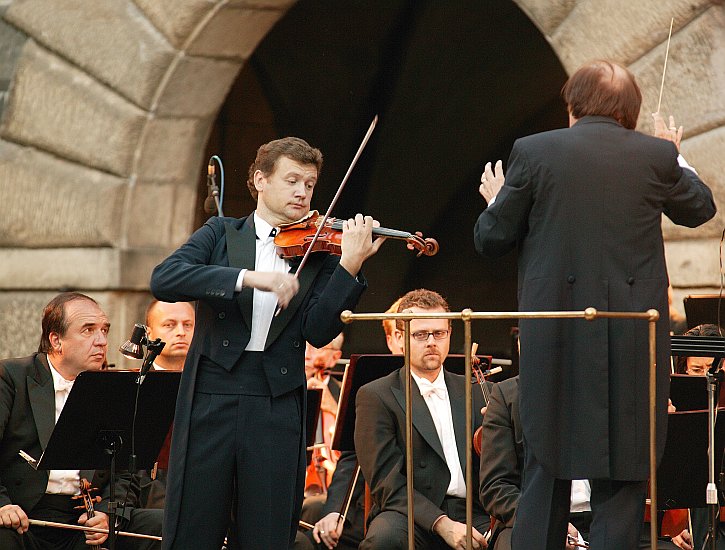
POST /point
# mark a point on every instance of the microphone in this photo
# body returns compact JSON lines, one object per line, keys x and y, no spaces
{"x":212,"y":189}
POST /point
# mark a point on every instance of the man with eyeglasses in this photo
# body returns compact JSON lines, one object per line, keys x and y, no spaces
{"x":439,"y":440}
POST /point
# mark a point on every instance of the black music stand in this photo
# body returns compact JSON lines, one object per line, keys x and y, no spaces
{"x":105,"y":437}
{"x":687,"y":442}
{"x":703,"y":308}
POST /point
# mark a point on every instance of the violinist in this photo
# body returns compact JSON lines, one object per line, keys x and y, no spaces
{"x":239,"y":413}
{"x":583,"y":206}
{"x":439,"y":420}
{"x":33,"y":392}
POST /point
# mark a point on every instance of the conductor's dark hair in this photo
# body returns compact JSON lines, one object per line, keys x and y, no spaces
{"x":604,"y":88}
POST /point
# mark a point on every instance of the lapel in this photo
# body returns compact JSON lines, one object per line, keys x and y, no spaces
{"x":41,"y":395}
{"x":456,"y":394}
{"x":306,"y":278}
{"x":241,"y":253}
{"x":422,"y":420}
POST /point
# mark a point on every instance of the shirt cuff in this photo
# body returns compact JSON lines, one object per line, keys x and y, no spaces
{"x":240,"y":281}
{"x":683,"y":163}
{"x":433,"y":527}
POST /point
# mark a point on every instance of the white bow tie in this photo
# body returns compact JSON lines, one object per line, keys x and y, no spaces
{"x":438,"y":388}
{"x":64,"y":385}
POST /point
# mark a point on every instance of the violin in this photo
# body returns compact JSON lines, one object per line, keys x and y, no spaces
{"x":88,"y":501}
{"x":294,"y":239}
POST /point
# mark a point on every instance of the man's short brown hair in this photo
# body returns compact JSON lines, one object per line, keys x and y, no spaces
{"x":603,"y":88}
{"x":54,"y":317}
{"x":291,"y":147}
{"x":422,"y":298}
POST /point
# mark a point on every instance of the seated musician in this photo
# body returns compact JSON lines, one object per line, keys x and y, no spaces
{"x":33,"y":391}
{"x":174,"y":324}
{"x":698,"y":366}
{"x":318,"y":362}
{"x":439,"y":440}
{"x":502,"y":459}
{"x":328,"y":532}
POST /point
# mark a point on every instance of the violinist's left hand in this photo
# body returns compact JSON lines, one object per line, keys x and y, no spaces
{"x":491,"y":183}
{"x":98,"y":521}
{"x":357,"y":242}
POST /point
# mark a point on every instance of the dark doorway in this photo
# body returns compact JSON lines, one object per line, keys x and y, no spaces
{"x":454,"y":84}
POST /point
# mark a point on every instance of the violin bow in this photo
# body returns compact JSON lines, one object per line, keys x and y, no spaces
{"x":337,"y":195}
{"x":664,"y":70}
{"x":334,"y":201}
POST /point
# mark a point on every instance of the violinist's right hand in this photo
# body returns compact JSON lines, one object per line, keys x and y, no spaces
{"x":284,"y":285}
{"x":327,"y":531}
{"x":13,"y":516}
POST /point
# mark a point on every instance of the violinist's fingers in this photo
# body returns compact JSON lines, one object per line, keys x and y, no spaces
{"x":13,"y":516}
{"x":378,"y":242}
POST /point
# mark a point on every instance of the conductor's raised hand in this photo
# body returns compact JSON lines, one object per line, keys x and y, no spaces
{"x":284,"y":285}
{"x":491,"y":181}
{"x":357,"y":242}
{"x":669,"y":132}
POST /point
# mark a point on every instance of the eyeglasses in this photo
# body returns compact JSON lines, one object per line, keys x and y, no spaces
{"x":423,"y":335}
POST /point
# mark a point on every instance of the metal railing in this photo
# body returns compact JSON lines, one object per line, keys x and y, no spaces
{"x":468,"y":315}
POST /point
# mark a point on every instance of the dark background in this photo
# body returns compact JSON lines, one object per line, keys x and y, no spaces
{"x":454,"y":83}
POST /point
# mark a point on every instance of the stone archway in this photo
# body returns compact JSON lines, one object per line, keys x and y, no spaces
{"x":106,"y":107}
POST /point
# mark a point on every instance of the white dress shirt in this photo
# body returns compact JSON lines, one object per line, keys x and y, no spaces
{"x":264,"y":304}
{"x":435,"y":395}
{"x":62,"y":482}
{"x":581,"y":493}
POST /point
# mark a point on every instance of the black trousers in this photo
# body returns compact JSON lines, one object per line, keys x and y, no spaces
{"x":542,"y":514}
{"x":388,"y":530}
{"x":245,"y":461}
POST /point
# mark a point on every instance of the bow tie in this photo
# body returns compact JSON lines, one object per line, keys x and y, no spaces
{"x":430,"y":388}
{"x":64,"y":385}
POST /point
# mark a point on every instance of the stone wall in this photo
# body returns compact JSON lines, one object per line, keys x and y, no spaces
{"x":106,"y":107}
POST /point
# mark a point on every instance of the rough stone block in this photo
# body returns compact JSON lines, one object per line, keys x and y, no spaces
{"x":234,"y":32}
{"x":49,"y":202}
{"x":693,"y":263}
{"x":183,"y":216}
{"x":58,"y":108}
{"x":695,"y":78}
{"x":547,"y":15}
{"x":706,"y":153}
{"x":115,"y":42}
{"x":52,"y":268}
{"x":621,"y":30}
{"x":173,"y":149}
{"x":20,"y":315}
{"x":151,"y":207}
{"x":197,"y":87}
{"x":179,"y":20}
{"x":11,"y":44}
